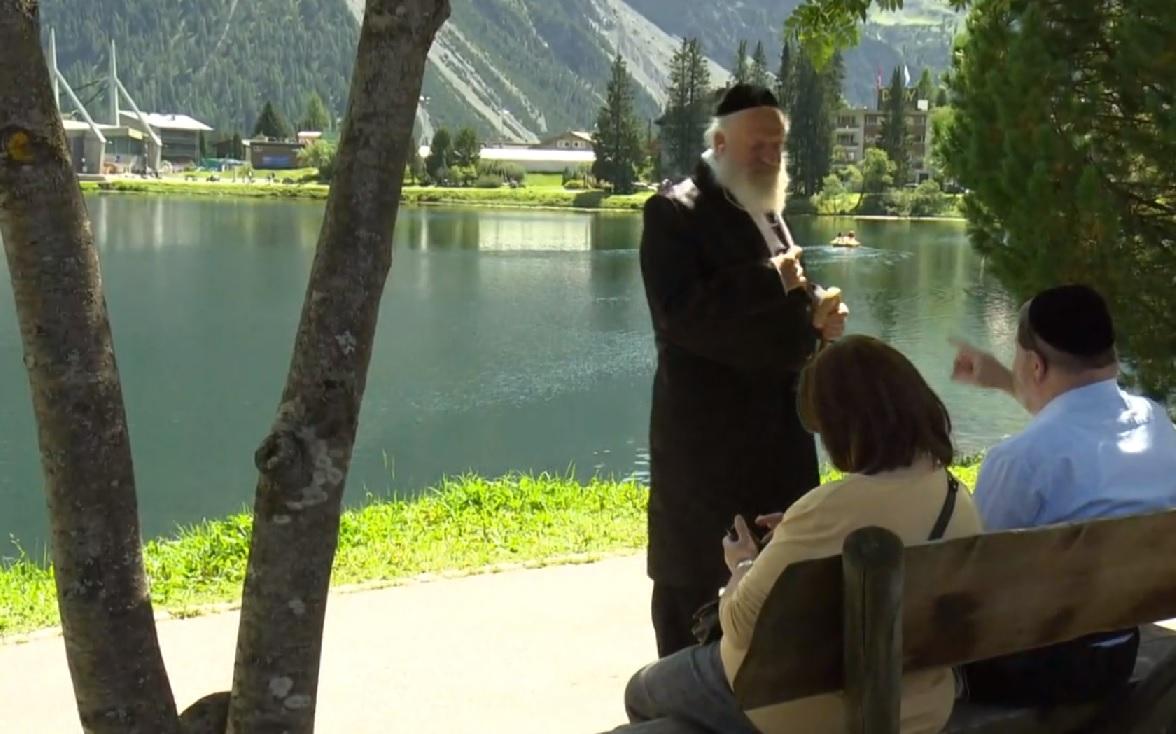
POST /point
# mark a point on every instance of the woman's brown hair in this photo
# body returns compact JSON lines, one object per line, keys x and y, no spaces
{"x":873,"y":409}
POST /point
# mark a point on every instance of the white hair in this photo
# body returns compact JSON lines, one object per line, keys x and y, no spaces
{"x":717,"y":125}
{"x":750,"y":195}
{"x":714,"y":128}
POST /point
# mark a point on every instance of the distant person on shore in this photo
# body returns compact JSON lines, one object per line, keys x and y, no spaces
{"x":883,"y":426}
{"x":734,"y":321}
{"x":1091,"y":450}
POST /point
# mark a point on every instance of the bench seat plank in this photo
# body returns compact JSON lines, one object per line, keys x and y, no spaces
{"x":1157,"y":646}
{"x":970,"y":599}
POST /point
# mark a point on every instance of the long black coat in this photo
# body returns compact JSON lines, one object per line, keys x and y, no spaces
{"x":724,"y":433}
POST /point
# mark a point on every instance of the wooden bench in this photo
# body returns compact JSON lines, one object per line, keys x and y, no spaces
{"x":856,"y":622}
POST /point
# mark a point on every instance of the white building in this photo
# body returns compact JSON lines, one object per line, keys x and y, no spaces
{"x":534,"y":160}
{"x":541,"y":160}
{"x":179,"y":135}
{"x":569,"y":140}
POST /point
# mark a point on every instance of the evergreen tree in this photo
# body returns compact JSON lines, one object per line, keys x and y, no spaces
{"x":784,"y":83}
{"x":466,"y":148}
{"x":1064,"y":132}
{"x":926,"y":87}
{"x":687,"y":109}
{"x":316,"y":119}
{"x":416,"y":167}
{"x":440,"y":154}
{"x":617,"y":139}
{"x":759,"y":67}
{"x":941,"y":99}
{"x":742,"y":70}
{"x":893,"y":137}
{"x":810,"y":134}
{"x":271,"y":124}
{"x":653,"y":151}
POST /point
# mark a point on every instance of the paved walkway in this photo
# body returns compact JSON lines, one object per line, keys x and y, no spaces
{"x":541,"y":651}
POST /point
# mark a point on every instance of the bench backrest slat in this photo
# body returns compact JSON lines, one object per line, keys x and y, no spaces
{"x":970,"y":599}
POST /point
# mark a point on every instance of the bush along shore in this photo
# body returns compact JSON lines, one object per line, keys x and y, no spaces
{"x":464,"y":524}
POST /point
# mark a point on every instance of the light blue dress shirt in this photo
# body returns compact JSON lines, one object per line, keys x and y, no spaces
{"x":1092,"y":452}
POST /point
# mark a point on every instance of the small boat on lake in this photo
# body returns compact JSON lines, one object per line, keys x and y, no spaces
{"x":845,"y":240}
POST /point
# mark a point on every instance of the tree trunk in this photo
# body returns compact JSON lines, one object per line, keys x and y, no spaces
{"x":304,"y":461}
{"x":110,"y":641}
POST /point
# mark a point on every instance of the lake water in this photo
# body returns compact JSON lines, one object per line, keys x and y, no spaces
{"x":508,"y":340}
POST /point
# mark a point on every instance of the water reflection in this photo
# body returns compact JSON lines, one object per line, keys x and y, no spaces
{"x":437,"y":228}
{"x":507,"y":340}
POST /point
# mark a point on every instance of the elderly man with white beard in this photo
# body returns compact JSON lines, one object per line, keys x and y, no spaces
{"x":734,"y":320}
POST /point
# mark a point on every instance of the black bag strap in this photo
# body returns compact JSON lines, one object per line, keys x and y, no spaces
{"x":953,"y":486}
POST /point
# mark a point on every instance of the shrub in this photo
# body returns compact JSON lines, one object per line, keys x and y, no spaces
{"x":321,"y":155}
{"x":928,"y":200}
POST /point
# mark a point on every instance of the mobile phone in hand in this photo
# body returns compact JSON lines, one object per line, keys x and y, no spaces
{"x":756,"y":533}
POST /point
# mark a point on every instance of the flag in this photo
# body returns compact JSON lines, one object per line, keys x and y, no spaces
{"x":906,"y":76}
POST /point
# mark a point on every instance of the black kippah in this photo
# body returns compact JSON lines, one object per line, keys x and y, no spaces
{"x":744,"y":97}
{"x":1073,"y":319}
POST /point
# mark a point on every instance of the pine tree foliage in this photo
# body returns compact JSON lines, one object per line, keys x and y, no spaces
{"x":1064,"y":132}
{"x":617,"y":138}
{"x":688,"y":107}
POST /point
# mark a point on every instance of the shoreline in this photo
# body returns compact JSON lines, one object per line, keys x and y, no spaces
{"x":514,"y":521}
{"x":895,"y":218}
{"x":540,"y":198}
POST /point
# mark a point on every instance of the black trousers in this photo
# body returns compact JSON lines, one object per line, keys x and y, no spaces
{"x":1070,"y":672}
{"x":673,"y":614}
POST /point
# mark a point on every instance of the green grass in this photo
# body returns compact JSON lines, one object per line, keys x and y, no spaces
{"x":545,"y":179}
{"x":464,"y":524}
{"x":204,"y":188}
{"x":531,"y":196}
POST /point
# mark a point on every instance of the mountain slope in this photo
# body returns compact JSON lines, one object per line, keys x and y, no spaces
{"x":919,"y":35}
{"x":219,"y":60}
{"x":512,"y":69}
{"x":526,"y":68}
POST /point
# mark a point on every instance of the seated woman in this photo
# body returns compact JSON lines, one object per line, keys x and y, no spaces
{"x":883,"y":426}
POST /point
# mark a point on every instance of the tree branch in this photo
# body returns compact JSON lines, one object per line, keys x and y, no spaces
{"x":110,"y":640}
{"x":305,"y":459}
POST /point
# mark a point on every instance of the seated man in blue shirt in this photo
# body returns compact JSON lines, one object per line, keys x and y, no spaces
{"x":1091,"y":451}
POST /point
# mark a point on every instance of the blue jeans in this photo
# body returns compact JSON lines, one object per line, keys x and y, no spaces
{"x":685,"y":693}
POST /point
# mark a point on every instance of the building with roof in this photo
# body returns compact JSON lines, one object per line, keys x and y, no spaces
{"x":268,"y":154}
{"x":119,"y":141}
{"x":533,"y":159}
{"x":568,"y":140}
{"x":105,"y":149}
{"x":179,"y":135}
{"x":857,"y":129}
{"x":541,"y":160}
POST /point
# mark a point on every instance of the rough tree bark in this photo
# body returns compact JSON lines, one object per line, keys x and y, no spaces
{"x":110,"y":640}
{"x":304,"y":461}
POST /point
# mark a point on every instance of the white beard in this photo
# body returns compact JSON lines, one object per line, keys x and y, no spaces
{"x":754,"y":196}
